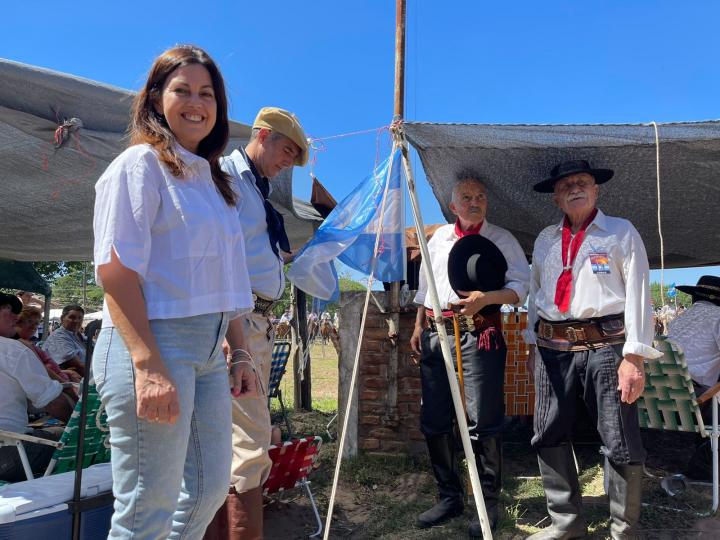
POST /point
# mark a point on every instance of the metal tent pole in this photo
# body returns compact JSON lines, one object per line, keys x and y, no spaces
{"x":445,"y":346}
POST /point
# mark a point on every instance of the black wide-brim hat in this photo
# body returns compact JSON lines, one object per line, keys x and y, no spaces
{"x":566,"y":168}
{"x":707,"y":288}
{"x":477,"y":264}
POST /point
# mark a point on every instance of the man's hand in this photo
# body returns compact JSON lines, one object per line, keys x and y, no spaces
{"x":631,"y":378}
{"x":475,"y":301}
{"x":157,"y":399}
{"x":532,"y":351}
{"x":244,"y":380}
{"x":415,"y":344}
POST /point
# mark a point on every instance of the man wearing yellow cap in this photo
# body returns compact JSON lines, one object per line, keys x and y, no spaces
{"x":276,"y":143}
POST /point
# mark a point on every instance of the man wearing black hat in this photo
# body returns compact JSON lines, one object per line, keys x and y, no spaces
{"x":23,"y":378}
{"x":277,"y":143}
{"x":590,"y":317}
{"x":486,"y":266}
{"x":697,"y":331}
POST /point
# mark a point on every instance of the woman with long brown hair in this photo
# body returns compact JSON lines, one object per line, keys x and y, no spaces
{"x":169,"y":253}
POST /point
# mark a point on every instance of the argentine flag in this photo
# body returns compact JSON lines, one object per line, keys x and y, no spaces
{"x":349,"y":232}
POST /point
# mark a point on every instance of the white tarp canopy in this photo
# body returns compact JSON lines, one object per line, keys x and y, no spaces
{"x":48,"y":189}
{"x":511,"y":158}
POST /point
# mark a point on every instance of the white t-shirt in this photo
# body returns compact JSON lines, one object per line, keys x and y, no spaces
{"x":265,"y":267}
{"x":185,"y":243}
{"x":697,"y":331}
{"x":22,"y":377}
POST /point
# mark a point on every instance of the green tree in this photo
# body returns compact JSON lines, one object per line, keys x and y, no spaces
{"x":346,"y":284}
{"x":660,"y":299}
{"x":68,"y":287}
{"x":51,"y":270}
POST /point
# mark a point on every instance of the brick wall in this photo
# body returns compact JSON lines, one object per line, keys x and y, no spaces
{"x":388,"y":413}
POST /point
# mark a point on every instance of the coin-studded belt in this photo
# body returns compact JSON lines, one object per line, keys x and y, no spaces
{"x":581,"y":335}
{"x":465,"y":322}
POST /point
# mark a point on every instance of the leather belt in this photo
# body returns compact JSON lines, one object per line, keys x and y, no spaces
{"x":262,"y":306}
{"x":466,"y":322}
{"x":581,"y":335}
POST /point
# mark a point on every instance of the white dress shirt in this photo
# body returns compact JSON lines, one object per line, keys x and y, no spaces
{"x":439,"y":246}
{"x":22,"y":377}
{"x":697,"y":331}
{"x":265,"y":267}
{"x":599,"y":288}
{"x":177,"y":233}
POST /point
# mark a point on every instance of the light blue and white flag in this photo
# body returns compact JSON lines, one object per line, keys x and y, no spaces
{"x":349,"y":233}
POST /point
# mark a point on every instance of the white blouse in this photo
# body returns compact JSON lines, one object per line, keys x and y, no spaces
{"x":185,"y":243}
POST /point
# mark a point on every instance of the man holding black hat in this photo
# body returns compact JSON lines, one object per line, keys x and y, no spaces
{"x":589,"y":316}
{"x":277,"y":142}
{"x":477,"y":267}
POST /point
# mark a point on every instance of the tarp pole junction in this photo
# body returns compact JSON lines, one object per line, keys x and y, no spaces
{"x":444,"y":343}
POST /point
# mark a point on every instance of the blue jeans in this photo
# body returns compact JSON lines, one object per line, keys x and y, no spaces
{"x":168,"y":479}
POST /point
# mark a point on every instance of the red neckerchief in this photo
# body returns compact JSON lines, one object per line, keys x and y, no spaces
{"x":472,"y":230}
{"x":570,"y":248}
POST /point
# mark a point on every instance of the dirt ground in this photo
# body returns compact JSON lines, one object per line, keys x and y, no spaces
{"x":380,"y":496}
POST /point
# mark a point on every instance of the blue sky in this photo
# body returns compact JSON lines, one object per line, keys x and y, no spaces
{"x":331,"y":63}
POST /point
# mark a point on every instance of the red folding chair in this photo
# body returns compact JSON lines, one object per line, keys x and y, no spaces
{"x":293,"y":461}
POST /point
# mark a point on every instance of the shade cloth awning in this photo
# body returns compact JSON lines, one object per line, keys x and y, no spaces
{"x":511,"y":158}
{"x":47,"y":187}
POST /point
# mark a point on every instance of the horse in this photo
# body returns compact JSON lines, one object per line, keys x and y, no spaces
{"x":282,"y":330}
{"x":327,"y":330}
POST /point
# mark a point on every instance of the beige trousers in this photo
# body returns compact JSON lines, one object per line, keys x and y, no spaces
{"x":251,"y":416}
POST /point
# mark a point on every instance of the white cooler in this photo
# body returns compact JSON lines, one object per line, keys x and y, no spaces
{"x":39,"y":508}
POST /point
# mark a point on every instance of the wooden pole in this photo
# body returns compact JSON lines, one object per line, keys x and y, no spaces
{"x":399,"y":108}
{"x":306,"y":386}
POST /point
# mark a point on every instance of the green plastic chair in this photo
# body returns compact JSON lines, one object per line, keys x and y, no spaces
{"x":669,"y":401}
{"x":96,"y":447}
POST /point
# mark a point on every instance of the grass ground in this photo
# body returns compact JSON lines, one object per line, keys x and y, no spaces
{"x":380,"y":496}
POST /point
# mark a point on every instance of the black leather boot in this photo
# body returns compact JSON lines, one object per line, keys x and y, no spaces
{"x":562,"y":491}
{"x":488,"y":458}
{"x":625,"y":493}
{"x":444,"y":461}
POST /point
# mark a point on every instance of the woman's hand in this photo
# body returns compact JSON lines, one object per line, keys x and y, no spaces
{"x":244,"y":380}
{"x":157,"y":399}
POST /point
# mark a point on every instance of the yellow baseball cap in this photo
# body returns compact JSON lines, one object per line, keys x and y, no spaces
{"x":285,"y":123}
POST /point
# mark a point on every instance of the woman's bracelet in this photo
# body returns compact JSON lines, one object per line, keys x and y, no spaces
{"x":240,"y":352}
{"x":236,"y":362}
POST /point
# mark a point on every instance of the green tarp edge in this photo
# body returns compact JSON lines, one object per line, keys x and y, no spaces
{"x":22,"y":276}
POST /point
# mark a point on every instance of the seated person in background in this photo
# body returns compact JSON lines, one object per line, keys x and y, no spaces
{"x":286,"y":317}
{"x":66,"y":345}
{"x":28,"y":321}
{"x":23,"y":379}
{"x":697,"y":331}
